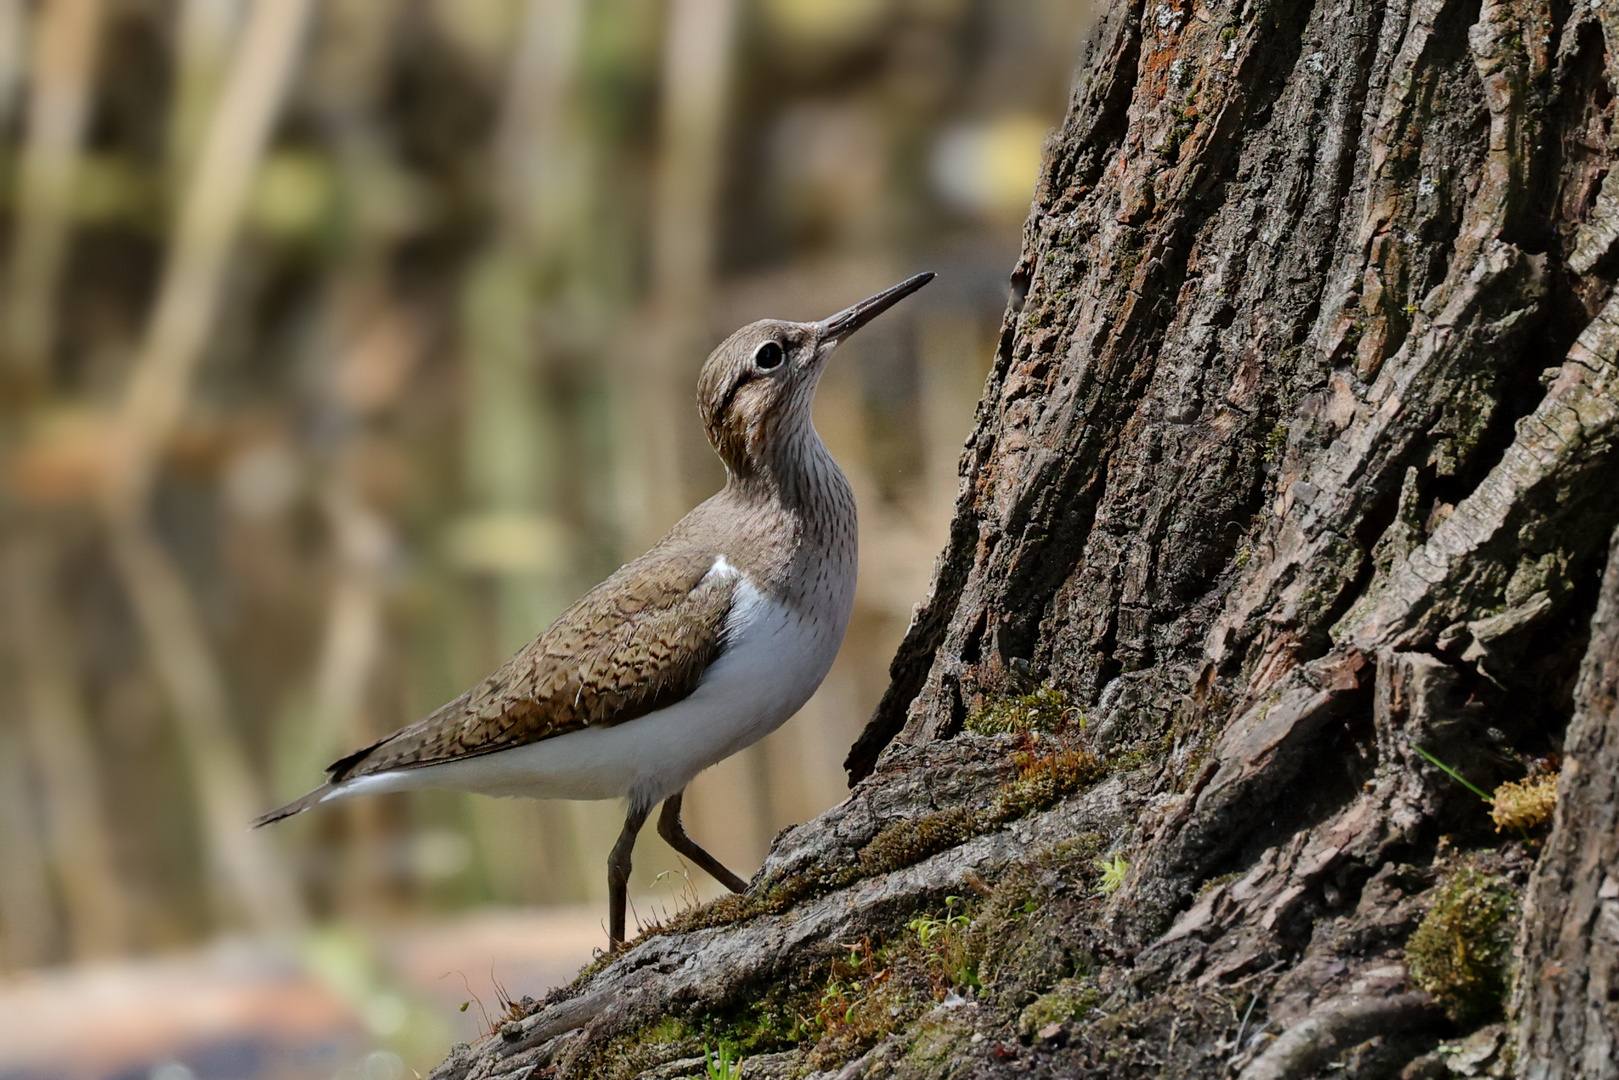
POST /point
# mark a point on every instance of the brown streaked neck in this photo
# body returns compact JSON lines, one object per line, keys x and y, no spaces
{"x":791,"y":467}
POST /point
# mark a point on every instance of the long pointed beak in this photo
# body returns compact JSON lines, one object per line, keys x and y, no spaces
{"x":850,"y":319}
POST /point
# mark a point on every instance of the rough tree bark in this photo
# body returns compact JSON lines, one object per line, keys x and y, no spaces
{"x":1568,"y":1007}
{"x":1295,"y":467}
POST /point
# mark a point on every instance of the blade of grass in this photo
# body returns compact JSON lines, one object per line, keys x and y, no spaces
{"x":1458,"y":777}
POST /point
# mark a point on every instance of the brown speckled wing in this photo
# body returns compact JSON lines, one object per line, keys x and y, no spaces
{"x":637,"y":642}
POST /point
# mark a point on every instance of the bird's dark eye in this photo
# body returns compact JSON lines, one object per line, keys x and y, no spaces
{"x":769,"y":355}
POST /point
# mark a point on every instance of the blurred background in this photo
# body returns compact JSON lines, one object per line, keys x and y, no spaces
{"x":342,"y":344}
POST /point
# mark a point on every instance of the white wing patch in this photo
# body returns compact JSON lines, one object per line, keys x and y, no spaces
{"x":721,"y":570}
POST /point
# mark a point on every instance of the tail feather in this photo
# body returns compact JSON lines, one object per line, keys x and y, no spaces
{"x":296,"y":806}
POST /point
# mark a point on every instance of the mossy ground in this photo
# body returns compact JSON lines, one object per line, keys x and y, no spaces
{"x":871,"y":989}
{"x":1047,"y":768}
{"x":1001,"y":946}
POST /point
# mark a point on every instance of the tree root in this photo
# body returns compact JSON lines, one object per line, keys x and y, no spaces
{"x":1336,"y":1026}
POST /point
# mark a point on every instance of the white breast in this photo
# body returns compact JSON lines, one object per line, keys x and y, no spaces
{"x":775,"y":657}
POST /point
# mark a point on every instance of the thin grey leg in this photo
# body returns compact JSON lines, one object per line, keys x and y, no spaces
{"x":671,"y":830}
{"x":618,"y":874}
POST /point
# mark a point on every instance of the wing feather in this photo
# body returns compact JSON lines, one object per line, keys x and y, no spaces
{"x":638,"y":642}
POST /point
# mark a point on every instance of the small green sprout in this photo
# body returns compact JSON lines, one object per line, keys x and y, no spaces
{"x":721,"y":1065}
{"x":950,"y":960}
{"x":928,"y":929}
{"x":1114,"y":871}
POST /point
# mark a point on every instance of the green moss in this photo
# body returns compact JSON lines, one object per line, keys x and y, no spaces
{"x":1130,"y":244}
{"x":1548,"y":573}
{"x":642,"y":1049}
{"x":772,"y":1019}
{"x":1017,"y":936}
{"x":1043,"y":780}
{"x":1461,"y":950}
{"x":869,"y":993}
{"x":1276,"y":442}
{"x":1179,"y":132}
{"x":1353,"y":333}
{"x":909,"y":841}
{"x":1067,"y":854}
{"x":669,"y":1029}
{"x":775,"y":1017}
{"x":1046,"y":709}
{"x":1070,"y":999}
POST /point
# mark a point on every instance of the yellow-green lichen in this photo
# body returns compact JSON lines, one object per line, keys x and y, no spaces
{"x":935,"y":1046}
{"x":1461,"y":950}
{"x":1276,"y":442}
{"x":1070,"y":999}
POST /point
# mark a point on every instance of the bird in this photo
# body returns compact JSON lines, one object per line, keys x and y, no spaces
{"x":702,"y":646}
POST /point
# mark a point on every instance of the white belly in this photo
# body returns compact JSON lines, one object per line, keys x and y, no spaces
{"x":775,"y":658}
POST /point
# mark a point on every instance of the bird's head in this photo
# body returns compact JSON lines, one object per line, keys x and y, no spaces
{"x":759,"y":384}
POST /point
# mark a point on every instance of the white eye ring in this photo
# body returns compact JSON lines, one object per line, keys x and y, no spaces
{"x":769,"y":355}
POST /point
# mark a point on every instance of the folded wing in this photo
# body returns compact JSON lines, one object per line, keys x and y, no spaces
{"x":638,"y":642}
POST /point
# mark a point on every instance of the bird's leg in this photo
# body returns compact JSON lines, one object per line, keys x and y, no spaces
{"x":618,"y":874}
{"x":671,"y":830}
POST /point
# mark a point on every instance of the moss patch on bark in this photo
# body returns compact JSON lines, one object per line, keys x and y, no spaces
{"x":1461,"y":951}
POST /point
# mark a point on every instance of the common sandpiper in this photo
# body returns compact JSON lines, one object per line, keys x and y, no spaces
{"x":702,"y":646}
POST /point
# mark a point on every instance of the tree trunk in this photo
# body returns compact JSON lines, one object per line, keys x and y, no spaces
{"x":1568,"y":1008}
{"x":1282,"y":521}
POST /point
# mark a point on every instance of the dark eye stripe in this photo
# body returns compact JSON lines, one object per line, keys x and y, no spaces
{"x":730,"y":394}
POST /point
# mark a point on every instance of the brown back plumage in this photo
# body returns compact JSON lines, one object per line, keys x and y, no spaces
{"x":634,"y":644}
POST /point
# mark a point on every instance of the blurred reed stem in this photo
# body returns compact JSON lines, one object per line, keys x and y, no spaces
{"x":361,"y":328}
{"x":197,"y":261}
{"x":513,"y":454}
{"x":13,"y":23}
{"x":204,"y":35}
{"x":697,"y":59}
{"x":64,"y":747}
{"x":29,"y":932}
{"x":62,"y":73}
{"x":227,"y":791}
